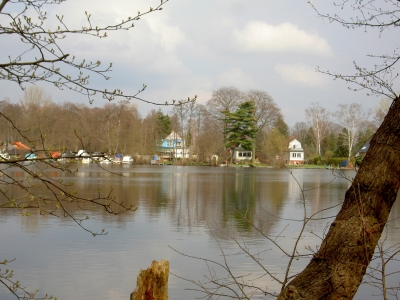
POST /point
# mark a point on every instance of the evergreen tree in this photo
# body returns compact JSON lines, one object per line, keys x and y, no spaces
{"x":164,"y":125}
{"x":241,"y":126}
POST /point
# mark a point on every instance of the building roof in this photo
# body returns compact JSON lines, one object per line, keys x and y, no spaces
{"x":173,"y":136}
{"x":364,"y":148}
{"x":295,"y":142}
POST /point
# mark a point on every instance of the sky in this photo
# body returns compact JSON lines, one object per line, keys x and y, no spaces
{"x":195,"y":47}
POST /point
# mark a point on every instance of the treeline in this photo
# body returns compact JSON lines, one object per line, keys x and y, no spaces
{"x":119,"y":128}
{"x":329,"y":137}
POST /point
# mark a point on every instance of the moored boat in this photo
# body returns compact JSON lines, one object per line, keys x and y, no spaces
{"x":127,"y":159}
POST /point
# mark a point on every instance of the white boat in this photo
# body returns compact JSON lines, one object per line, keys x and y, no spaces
{"x":4,"y":156}
{"x":105,"y":160}
{"x":127,"y":159}
{"x":86,"y":158}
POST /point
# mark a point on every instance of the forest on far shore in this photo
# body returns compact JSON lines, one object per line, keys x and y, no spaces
{"x":326,"y":137}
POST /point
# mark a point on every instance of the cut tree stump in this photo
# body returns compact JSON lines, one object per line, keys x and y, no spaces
{"x":152,"y":284}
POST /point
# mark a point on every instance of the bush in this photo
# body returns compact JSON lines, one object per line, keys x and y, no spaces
{"x":317,"y":160}
{"x":335,"y":160}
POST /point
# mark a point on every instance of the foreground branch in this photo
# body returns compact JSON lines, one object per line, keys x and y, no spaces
{"x":337,"y":269}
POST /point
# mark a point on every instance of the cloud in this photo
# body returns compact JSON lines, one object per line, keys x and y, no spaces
{"x":170,"y":36}
{"x":167,"y":65}
{"x":261,"y":37}
{"x":301,"y":74}
{"x":235,"y":77}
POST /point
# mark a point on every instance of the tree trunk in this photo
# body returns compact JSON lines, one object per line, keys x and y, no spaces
{"x":152,"y":283}
{"x":336,"y":270}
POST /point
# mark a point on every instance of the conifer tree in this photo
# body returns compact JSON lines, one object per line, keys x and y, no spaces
{"x":241,"y":127}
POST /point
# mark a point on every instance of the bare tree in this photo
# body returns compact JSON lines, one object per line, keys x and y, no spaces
{"x":181,"y":113}
{"x":35,"y":96}
{"x":39,"y":56}
{"x":337,"y":268}
{"x":319,"y":121}
{"x":267,"y":111}
{"x":381,"y":110}
{"x":380,"y":275}
{"x":193,"y":127}
{"x":148,"y":134}
{"x":210,"y":140}
{"x":224,"y":99}
{"x":299,"y":131}
{"x":352,"y":118}
{"x":8,"y":134}
{"x":373,"y":14}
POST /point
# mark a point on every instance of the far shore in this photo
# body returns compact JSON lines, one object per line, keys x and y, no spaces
{"x":260,"y":165}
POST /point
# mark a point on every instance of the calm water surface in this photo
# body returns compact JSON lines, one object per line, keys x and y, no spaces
{"x":198,"y":211}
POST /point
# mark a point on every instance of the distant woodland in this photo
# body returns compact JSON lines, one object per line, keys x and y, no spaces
{"x":117,"y":127}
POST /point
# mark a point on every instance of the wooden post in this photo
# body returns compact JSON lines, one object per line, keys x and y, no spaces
{"x":152,"y":284}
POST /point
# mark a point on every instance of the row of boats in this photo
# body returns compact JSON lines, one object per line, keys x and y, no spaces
{"x":103,"y":158}
{"x":82,"y":156}
{"x":110,"y":160}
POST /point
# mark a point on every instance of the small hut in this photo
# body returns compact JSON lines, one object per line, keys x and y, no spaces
{"x":295,"y":153}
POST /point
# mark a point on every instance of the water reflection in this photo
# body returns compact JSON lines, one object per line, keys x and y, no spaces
{"x":183,"y":207}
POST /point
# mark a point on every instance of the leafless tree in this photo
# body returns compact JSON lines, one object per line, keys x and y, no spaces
{"x":380,"y":275}
{"x":39,"y":56}
{"x":352,"y":118}
{"x":299,"y":131}
{"x":267,"y":111}
{"x":263,"y":282}
{"x":8,"y":134}
{"x":210,"y":139}
{"x":223,"y":99}
{"x":381,"y":110}
{"x":370,"y":15}
{"x":337,"y":268}
{"x":148,"y":136}
{"x":319,"y":121}
{"x":182,"y":114}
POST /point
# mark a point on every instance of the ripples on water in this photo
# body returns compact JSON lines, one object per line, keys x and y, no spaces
{"x":185,"y":208}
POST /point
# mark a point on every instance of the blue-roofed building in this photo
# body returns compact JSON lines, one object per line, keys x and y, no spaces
{"x":171,"y":147}
{"x":363,"y":150}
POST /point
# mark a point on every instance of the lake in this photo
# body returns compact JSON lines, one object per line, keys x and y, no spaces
{"x":206,"y":213}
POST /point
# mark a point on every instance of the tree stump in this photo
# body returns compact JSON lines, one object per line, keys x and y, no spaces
{"x":152,"y":284}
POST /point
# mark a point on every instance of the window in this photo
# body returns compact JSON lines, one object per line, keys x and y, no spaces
{"x":248,"y":154}
{"x":240,"y":154}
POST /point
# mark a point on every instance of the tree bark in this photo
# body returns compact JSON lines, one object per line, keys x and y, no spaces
{"x":152,"y":284}
{"x":336,"y":270}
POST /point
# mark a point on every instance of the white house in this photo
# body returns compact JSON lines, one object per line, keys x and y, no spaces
{"x":295,"y":153}
{"x":172,"y":147}
{"x":240,"y":154}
